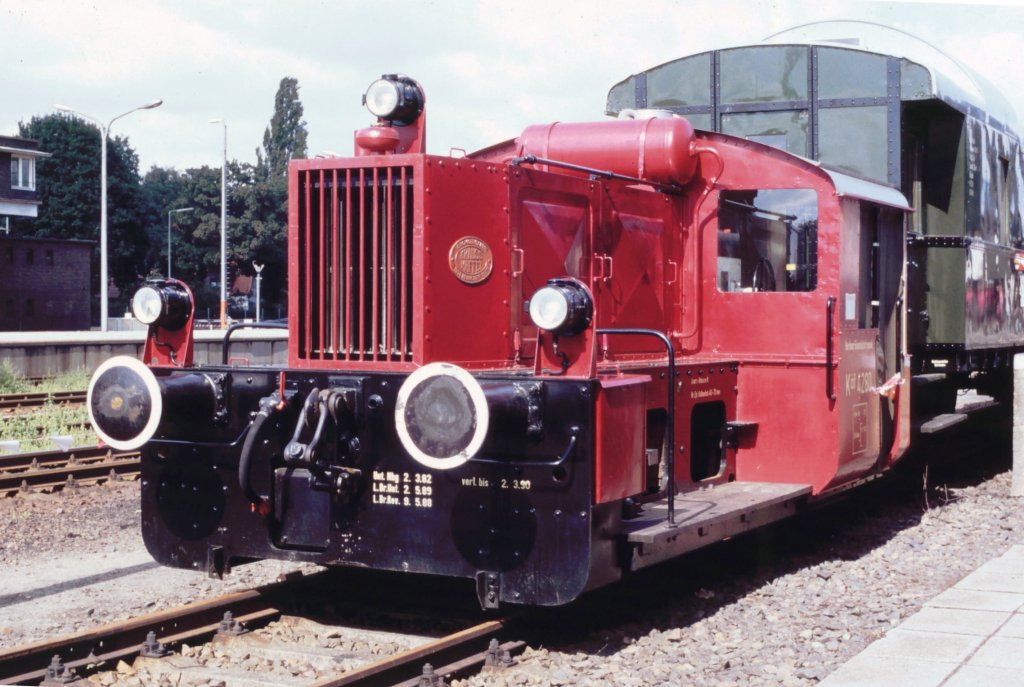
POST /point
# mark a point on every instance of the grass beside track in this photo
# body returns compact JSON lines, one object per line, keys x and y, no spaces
{"x":13,"y":383}
{"x":35,"y":429}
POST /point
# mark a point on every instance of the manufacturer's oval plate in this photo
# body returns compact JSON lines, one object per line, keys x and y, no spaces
{"x":471,"y":260}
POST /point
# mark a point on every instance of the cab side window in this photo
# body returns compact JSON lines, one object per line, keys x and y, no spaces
{"x":767,"y":240}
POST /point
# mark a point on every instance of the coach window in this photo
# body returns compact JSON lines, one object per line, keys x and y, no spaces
{"x":622,"y":96}
{"x":786,"y":130}
{"x":768,"y":240}
{"x":682,"y":83}
{"x":764,"y":74}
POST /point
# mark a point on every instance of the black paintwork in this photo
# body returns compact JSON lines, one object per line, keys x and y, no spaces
{"x":520,"y":509}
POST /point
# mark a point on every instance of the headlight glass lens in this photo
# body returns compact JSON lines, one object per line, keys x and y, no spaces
{"x":382,"y":98}
{"x":147,"y":305}
{"x":549,"y":308}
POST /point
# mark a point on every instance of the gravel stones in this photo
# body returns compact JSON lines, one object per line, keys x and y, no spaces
{"x":782,"y":607}
{"x":831,"y":589}
{"x":74,"y":559}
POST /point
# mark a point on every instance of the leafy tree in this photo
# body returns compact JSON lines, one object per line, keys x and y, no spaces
{"x":256,"y":229}
{"x":285,"y":138}
{"x":162,"y":191}
{"x":259,"y":230}
{"x":69,"y":190}
{"x":257,"y":213}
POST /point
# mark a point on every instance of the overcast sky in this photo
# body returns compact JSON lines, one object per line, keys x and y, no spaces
{"x":489,"y":68}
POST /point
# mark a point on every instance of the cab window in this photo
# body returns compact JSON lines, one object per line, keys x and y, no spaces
{"x":767,"y":240}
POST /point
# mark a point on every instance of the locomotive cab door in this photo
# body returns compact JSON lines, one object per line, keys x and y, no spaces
{"x":871,"y":342}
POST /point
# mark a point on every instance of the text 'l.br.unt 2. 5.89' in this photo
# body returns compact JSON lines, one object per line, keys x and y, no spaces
{"x":574,"y":354}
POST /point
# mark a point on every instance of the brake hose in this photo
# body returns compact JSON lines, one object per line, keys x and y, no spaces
{"x":267,"y":408}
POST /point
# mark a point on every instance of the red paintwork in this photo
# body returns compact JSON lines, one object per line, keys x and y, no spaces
{"x":384,"y":137}
{"x":650,"y":261}
{"x":619,"y":467}
{"x":171,"y":347}
{"x":378,"y":139}
{"x":658,"y":150}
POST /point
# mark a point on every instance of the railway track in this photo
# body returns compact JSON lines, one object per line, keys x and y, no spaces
{"x":14,"y":402}
{"x":50,"y":470}
{"x":165,"y":643}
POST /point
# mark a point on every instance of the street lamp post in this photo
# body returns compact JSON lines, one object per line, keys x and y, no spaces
{"x":104,"y":132}
{"x":259,"y":277}
{"x":223,"y":228}
{"x":169,"y":213}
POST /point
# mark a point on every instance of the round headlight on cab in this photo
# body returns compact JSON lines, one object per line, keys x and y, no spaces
{"x":562,"y":307}
{"x":395,"y":98}
{"x":161,"y":303}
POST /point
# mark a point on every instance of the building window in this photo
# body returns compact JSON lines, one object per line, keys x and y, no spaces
{"x":23,"y":173}
{"x":30,"y":308}
{"x":30,"y":257}
{"x":49,"y":258}
{"x":10,"y":256}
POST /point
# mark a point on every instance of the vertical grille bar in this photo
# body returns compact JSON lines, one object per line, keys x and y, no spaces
{"x":346,"y":305}
{"x":375,"y":274}
{"x":360,"y":276}
{"x":336,"y":253}
{"x":307,"y":344}
{"x":404,"y":233}
{"x":325,"y":306}
{"x":389,"y":290}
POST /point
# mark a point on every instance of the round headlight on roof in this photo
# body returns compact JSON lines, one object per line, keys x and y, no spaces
{"x":564,"y":306}
{"x":147,"y":305}
{"x":395,"y":98}
{"x":161,"y":303}
{"x":382,"y":98}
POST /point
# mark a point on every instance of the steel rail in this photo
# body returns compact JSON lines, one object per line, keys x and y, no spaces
{"x":78,"y":454}
{"x":460,"y":652}
{"x":64,"y":471}
{"x":104,"y":646}
{"x":36,"y":399}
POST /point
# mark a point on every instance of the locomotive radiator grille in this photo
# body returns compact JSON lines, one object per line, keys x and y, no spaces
{"x":355,"y":262}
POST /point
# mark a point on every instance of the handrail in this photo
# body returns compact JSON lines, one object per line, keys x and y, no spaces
{"x":244,"y":325}
{"x":830,"y":309}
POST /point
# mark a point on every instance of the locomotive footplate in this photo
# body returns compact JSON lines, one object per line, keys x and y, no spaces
{"x":709,"y":515}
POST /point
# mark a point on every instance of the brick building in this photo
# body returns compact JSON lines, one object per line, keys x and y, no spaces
{"x":44,"y":283}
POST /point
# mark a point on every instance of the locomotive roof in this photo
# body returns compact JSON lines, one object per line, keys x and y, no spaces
{"x":950,"y":80}
{"x":852,"y":187}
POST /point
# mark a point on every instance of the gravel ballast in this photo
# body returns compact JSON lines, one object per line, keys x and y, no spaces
{"x":784,"y":607}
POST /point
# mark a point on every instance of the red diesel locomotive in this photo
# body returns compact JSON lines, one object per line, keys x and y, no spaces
{"x":577,"y":353}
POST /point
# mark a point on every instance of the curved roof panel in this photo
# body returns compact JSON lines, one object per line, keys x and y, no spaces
{"x":951,"y":81}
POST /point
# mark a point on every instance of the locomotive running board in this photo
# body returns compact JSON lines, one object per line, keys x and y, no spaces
{"x":708,"y":516}
{"x":965,"y":405}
